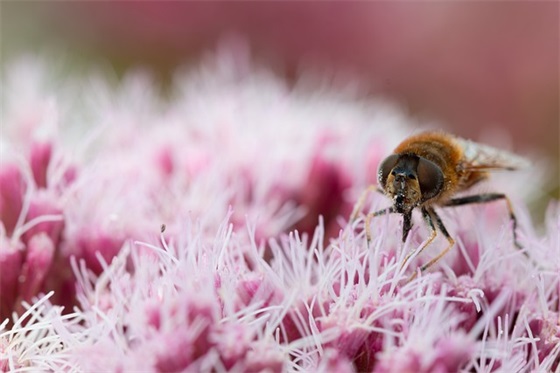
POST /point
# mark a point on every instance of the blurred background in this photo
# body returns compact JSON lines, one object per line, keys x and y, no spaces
{"x":484,"y":70}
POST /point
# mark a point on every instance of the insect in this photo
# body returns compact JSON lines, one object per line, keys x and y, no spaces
{"x":426,"y":171}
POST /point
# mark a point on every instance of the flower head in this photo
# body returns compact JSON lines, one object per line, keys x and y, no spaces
{"x":256,"y":267}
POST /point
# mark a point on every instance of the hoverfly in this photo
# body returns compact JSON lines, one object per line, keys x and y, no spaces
{"x":426,"y":171}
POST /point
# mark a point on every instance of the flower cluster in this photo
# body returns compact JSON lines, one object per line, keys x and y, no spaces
{"x":207,"y":232}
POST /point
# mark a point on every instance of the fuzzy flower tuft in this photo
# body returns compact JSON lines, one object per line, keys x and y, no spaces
{"x":208,"y":232}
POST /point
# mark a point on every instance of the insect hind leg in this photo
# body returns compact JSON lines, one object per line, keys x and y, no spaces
{"x":485,"y":198}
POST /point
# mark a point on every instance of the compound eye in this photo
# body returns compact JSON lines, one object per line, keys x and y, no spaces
{"x":385,"y":169}
{"x":430,"y":178}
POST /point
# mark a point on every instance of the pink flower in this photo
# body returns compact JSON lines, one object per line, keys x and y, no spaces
{"x":256,"y":267}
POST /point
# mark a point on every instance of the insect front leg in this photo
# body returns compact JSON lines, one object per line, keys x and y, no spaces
{"x":360,"y":203}
{"x":371,"y":215}
{"x":489,"y":197}
{"x":443,"y":230}
{"x":433,"y":234}
{"x":407,"y":225}
{"x":432,"y":215}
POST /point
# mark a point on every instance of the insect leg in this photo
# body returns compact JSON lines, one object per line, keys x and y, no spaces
{"x":489,"y":197}
{"x":371,"y":215}
{"x":443,"y":230}
{"x":360,"y":203}
{"x":433,"y":233}
{"x":407,"y":225}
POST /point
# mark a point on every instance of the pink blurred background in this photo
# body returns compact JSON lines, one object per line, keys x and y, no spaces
{"x":484,"y":70}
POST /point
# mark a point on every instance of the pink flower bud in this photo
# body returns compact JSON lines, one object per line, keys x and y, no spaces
{"x":12,"y":191}
{"x":11,"y":260}
{"x":41,"y":153}
{"x":38,"y":260}
{"x":43,"y":204}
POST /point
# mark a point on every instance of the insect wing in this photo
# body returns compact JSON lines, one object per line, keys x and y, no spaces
{"x":486,"y":158}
